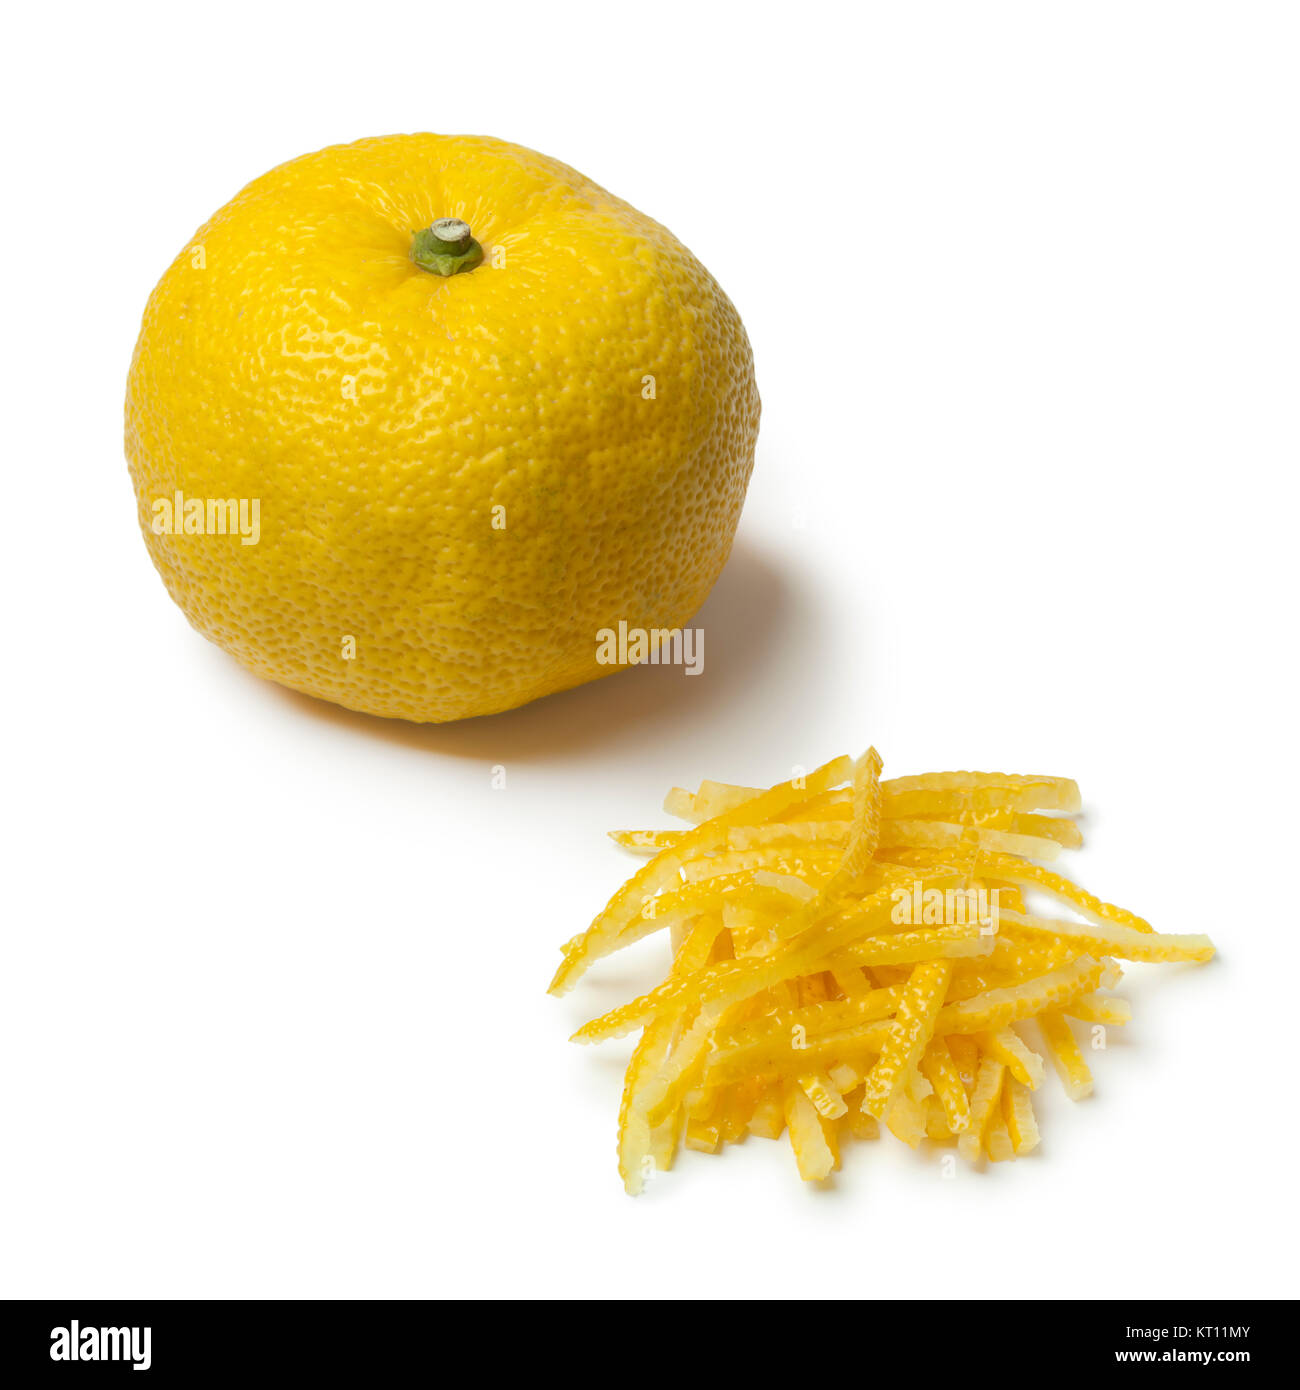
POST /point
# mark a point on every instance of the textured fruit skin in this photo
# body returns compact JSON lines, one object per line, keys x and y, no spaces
{"x":293,"y":353}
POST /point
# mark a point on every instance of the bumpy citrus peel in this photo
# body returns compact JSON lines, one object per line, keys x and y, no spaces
{"x":804,"y":999}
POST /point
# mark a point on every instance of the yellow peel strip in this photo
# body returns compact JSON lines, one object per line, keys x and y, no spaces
{"x":938,"y":1067}
{"x":1055,"y":793}
{"x":905,"y":1118}
{"x":824,"y":1094}
{"x":798,"y":1025}
{"x":807,"y":1138}
{"x":636,"y":1139}
{"x":768,"y":1119}
{"x":1101,"y":938}
{"x":713,"y":798}
{"x":865,"y":833}
{"x":787,"y":834}
{"x":1063,"y":1049}
{"x":1101,"y":1008}
{"x":1018,"y":1112}
{"x":936,"y":834}
{"x":997,"y":1139}
{"x":1064,"y":889}
{"x":649,"y":842}
{"x":1064,"y":831}
{"x":788,"y":860}
{"x":984,"y":1098}
{"x":1009,"y":1048}
{"x":918,"y":1007}
{"x":994,"y":1010}
{"x":906,"y":948}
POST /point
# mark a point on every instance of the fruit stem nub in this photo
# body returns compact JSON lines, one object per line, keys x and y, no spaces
{"x":446,"y":247}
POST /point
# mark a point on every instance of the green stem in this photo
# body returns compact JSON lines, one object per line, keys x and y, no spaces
{"x":446,"y":247}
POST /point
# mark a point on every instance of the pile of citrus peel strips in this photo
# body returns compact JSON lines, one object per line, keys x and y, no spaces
{"x":808,"y":994}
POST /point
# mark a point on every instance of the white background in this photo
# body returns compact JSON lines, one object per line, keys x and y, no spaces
{"x":272,"y":1008}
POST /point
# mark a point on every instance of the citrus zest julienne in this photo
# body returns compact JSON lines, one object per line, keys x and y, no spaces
{"x":806,"y":997}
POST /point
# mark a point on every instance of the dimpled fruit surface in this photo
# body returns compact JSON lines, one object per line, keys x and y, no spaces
{"x":445,"y":485}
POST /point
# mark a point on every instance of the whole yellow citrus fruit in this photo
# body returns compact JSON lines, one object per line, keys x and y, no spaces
{"x":410,"y":421}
